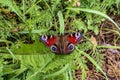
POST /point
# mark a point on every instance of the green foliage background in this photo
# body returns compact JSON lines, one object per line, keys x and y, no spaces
{"x":37,"y":17}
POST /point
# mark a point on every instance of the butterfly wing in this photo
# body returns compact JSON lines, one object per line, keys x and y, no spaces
{"x":48,"y":40}
{"x":74,"y":37}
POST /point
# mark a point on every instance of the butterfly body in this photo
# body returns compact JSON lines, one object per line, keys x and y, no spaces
{"x":62,"y":44}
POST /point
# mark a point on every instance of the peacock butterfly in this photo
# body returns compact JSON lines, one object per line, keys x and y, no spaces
{"x":62,"y":44}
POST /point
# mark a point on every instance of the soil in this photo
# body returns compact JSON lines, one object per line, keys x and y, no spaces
{"x":111,"y":61}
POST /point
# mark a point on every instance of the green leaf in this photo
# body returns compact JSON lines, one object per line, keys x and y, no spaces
{"x":61,"y":21}
{"x":35,"y":48}
{"x":95,"y":12}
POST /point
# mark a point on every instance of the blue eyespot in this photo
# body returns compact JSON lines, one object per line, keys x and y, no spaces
{"x":71,"y":47}
{"x":43,"y":38}
{"x":78,"y":35}
{"x":53,"y":48}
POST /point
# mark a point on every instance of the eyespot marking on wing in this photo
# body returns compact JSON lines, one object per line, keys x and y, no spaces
{"x":48,"y":40}
{"x":74,"y":38}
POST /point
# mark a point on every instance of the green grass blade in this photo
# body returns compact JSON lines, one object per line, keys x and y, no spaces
{"x":18,"y":72}
{"x":11,"y":53}
{"x":111,"y":47}
{"x":23,"y":6}
{"x":95,"y":12}
{"x":61,"y":21}
{"x":66,"y":76}
{"x":93,"y":62}
{"x":34,"y":31}
{"x":13,"y":7}
{"x":70,"y":73}
{"x":83,"y":73}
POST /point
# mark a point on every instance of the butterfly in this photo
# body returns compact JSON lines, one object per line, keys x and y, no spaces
{"x":63,"y":44}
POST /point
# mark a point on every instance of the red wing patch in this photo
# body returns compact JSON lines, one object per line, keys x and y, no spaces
{"x":51,"y":41}
{"x":72,"y":39}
